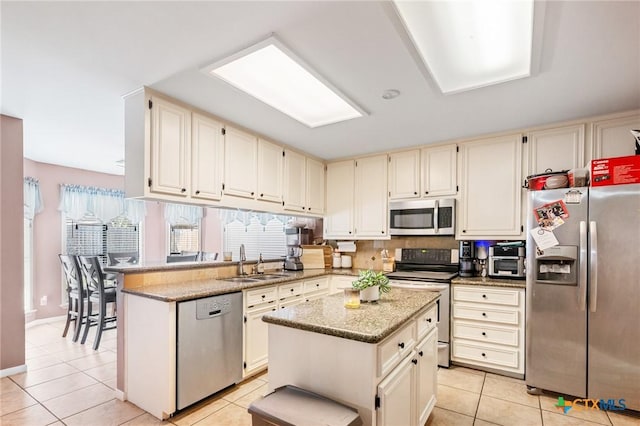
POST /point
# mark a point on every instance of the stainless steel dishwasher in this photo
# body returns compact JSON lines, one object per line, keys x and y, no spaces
{"x":209,"y":350}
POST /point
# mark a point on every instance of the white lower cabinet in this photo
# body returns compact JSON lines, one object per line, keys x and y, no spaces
{"x":487,"y":328}
{"x":407,"y":394}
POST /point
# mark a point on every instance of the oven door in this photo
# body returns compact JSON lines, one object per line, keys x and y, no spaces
{"x":443,"y":312}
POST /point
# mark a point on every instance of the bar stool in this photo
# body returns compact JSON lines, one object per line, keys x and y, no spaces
{"x":76,"y":294}
{"x":98,"y":294}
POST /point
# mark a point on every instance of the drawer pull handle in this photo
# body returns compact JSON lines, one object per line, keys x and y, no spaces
{"x":484,"y":296}
{"x":484,"y":314}
{"x":428,"y":319}
{"x":483,"y":354}
{"x":401,"y":345}
{"x":421,"y":353}
{"x":414,"y":361}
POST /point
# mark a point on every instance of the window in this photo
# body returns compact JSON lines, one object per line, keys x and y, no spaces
{"x":184,"y":238}
{"x":268,"y":240}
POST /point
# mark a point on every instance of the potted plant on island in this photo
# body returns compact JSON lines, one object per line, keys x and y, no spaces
{"x":371,"y":284}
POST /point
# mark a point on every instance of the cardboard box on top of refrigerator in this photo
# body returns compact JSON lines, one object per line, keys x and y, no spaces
{"x":615,"y":171}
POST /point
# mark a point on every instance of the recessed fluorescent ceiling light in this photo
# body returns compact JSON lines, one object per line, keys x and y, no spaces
{"x":471,"y":44}
{"x":271,"y":73}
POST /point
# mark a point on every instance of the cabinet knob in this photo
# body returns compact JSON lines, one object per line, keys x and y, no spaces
{"x":484,"y":314}
{"x":484,"y":296}
{"x":309,"y":208}
{"x":183,"y":190}
{"x":483,"y":354}
{"x":421,"y":353}
{"x":414,"y":361}
{"x":302,"y":207}
{"x":426,"y":192}
{"x":464,"y":230}
{"x":349,"y":231}
{"x":197,"y":192}
{"x":401,"y":345}
{"x":263,"y":296}
{"x":261,"y":195}
{"x":484,"y":334}
{"x":428,"y":320}
{"x":382,"y":232}
{"x":252,"y":193}
{"x":415,"y":193}
{"x":291,"y":290}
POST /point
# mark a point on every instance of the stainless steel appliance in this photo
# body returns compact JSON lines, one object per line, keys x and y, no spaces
{"x":507,"y":261}
{"x":429,"y":270}
{"x":209,"y":349}
{"x":467,"y":259}
{"x":295,"y":237}
{"x":582,"y":331}
{"x":422,"y":217}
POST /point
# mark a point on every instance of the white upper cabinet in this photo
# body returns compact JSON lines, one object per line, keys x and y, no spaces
{"x":295,"y":175}
{"x":371,"y":208}
{"x":425,"y":173}
{"x":315,"y":186}
{"x":490,"y":188}
{"x":269,"y":171}
{"x":338,"y":222}
{"x":439,"y":171}
{"x":240,"y":160}
{"x":170,"y":147}
{"x":207,"y":157}
{"x":611,"y":137}
{"x":556,"y":149}
{"x":404,"y":175}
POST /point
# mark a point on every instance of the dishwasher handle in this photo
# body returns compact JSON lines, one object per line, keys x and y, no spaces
{"x":213,"y":307}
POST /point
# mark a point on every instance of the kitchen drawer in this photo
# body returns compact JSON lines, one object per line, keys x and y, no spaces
{"x":486,"y":333}
{"x":494,"y":296}
{"x":504,"y":357}
{"x":261,"y":295}
{"x":316,"y":285}
{"x":486,"y":314}
{"x":286,"y":291}
{"x":395,"y":348}
{"x":293,"y":301}
{"x":426,"y":321}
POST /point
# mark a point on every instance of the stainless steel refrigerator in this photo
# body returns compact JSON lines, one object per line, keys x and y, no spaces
{"x":583,"y":295}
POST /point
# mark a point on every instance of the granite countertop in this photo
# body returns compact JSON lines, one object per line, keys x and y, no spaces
{"x":371,"y":323}
{"x":189,"y":290}
{"x":490,"y":282}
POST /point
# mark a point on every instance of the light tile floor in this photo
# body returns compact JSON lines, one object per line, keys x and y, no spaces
{"x":71,"y":384}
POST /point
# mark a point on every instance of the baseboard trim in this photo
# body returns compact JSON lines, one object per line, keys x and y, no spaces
{"x":13,"y":370}
{"x":44,"y":321}
{"x":121,"y":395}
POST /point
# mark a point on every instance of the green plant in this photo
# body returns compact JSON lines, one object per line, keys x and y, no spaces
{"x":370,"y":278}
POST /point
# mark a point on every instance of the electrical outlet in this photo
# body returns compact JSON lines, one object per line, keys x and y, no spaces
{"x":43,"y":301}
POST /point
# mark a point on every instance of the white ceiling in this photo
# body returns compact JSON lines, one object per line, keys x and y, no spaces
{"x":66,"y":66}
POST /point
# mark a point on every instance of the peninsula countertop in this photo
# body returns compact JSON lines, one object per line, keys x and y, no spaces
{"x":371,"y":323}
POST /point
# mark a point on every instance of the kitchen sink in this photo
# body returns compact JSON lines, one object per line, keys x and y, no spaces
{"x":241,"y":279}
{"x":255,"y":278}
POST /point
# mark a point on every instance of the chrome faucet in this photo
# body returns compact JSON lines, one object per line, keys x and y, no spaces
{"x":243,"y":258}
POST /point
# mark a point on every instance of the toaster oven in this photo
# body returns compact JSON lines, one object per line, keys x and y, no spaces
{"x":507,"y":262}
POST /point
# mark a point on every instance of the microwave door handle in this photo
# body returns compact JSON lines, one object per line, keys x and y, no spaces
{"x":435,"y":216}
{"x":582,"y":271}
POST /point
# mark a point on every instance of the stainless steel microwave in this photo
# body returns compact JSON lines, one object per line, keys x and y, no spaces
{"x":422,"y":217}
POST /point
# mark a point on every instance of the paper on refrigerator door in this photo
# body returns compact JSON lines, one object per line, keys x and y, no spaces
{"x":544,"y":238}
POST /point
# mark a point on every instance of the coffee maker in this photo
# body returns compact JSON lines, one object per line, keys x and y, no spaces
{"x":467,"y":267}
{"x":296,"y":237}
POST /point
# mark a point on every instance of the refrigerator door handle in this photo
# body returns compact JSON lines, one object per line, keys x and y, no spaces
{"x":582,"y":271}
{"x":593,"y":262}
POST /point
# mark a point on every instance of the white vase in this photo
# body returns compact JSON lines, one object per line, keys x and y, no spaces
{"x":370,"y":294}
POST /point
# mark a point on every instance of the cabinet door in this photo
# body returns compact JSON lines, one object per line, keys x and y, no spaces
{"x":315,"y":186}
{"x":556,"y":149}
{"x":490,"y":188}
{"x":340,"y":186}
{"x":611,"y":138}
{"x":170,"y":141}
{"x":396,"y":393}
{"x":269,"y":171}
{"x":371,"y":208}
{"x":207,"y":158}
{"x":426,"y":376}
{"x":404,"y":175}
{"x":294,"y":181}
{"x":439,"y":171}
{"x":256,"y":342}
{"x":240,"y":161}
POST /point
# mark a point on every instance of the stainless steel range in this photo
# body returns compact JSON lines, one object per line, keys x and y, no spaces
{"x":429,"y":270}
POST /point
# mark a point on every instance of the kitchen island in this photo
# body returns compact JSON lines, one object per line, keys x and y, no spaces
{"x":380,"y":359}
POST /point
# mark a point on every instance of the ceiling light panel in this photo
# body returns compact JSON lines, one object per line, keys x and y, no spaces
{"x":471,"y":44}
{"x":271,"y":73}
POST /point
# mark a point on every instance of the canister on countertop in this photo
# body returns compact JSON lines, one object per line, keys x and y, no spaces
{"x":346,"y":261}
{"x":337,"y":260}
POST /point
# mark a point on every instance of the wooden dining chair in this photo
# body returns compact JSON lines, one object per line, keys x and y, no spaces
{"x":97,"y":294}
{"x":76,"y":294}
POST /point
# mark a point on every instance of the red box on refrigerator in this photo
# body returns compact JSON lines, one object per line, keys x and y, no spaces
{"x":615,"y":171}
